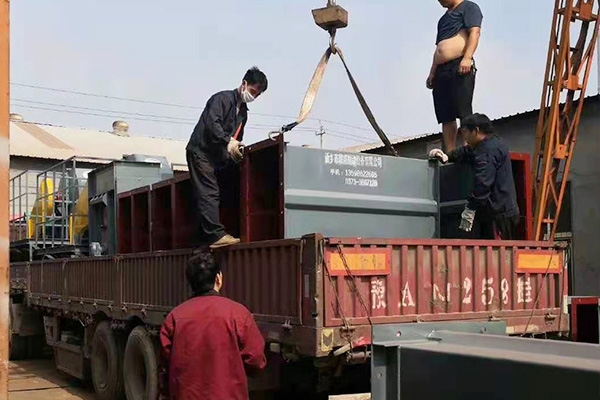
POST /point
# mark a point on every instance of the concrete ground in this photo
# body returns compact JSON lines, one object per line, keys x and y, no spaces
{"x":39,"y":380}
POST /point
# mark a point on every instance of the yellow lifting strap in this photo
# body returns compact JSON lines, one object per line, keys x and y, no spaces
{"x":331,"y":18}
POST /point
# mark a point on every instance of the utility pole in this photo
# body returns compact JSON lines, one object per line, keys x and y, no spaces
{"x":4,"y":188}
{"x":320,"y":134}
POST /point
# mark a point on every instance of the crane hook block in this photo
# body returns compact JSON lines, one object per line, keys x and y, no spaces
{"x":333,"y":17}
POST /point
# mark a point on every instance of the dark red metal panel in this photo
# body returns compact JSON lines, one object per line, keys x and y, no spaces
{"x":267,"y":278}
{"x":451,"y":190}
{"x":162,"y":215}
{"x":133,"y":224}
{"x":47,"y":278}
{"x":441,"y":279}
{"x":91,"y":278}
{"x":167,"y":286}
{"x":125,"y":226}
{"x":454,"y":275}
{"x":230,"y":205}
{"x":140,"y":220}
{"x":53,"y":278}
{"x":35,"y":278}
{"x":585,"y":319}
{"x":521,"y":164}
{"x":287,"y":286}
{"x":262,"y":213}
{"x":18,"y":276}
{"x":173,"y":214}
{"x":184,"y":232}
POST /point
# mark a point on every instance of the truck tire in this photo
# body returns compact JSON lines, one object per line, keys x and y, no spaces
{"x":140,"y":370}
{"x":107,"y":363}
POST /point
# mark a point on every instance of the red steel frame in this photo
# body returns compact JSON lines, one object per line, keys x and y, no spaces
{"x":248,"y":187}
{"x":549,"y":289}
{"x":576,"y":303}
{"x":299,"y":303}
{"x":558,"y":125}
{"x":158,"y":217}
{"x":526,"y":200}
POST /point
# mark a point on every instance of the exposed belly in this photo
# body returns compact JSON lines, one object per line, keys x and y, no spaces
{"x":452,"y":48}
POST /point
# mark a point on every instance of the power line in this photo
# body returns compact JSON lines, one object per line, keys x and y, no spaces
{"x":347,"y":138}
{"x":257,"y":126}
{"x":135,"y":100}
{"x":342,"y":135}
{"x":100,"y":109}
{"x":160,"y":116}
{"x":101,"y":115}
{"x":369,"y":140}
{"x":343,"y":124}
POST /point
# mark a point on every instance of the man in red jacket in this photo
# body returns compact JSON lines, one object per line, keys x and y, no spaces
{"x":209,"y":343}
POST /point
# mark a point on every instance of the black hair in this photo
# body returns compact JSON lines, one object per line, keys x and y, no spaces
{"x":474,"y":121}
{"x":255,"y":76}
{"x":201,"y":273}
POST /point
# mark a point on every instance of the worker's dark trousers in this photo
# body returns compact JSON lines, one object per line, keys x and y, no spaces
{"x":205,"y":188}
{"x":493,"y":227}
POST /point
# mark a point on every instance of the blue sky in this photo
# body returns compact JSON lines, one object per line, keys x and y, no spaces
{"x":182,"y":51}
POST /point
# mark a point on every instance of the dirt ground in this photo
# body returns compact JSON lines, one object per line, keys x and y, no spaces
{"x":39,"y":380}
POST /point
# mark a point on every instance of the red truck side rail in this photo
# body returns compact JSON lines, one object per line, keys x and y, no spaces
{"x":317,"y":294}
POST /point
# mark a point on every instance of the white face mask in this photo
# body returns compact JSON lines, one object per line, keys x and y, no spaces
{"x":246,"y":96}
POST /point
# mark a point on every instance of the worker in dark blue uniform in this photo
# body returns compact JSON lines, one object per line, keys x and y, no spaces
{"x":493,"y":200}
{"x":215,"y":142}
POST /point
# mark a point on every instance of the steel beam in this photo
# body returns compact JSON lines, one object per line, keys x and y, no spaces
{"x":459,"y":365}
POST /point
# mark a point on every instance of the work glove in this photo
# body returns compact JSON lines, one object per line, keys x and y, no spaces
{"x":467,"y":219}
{"x":439,"y":154}
{"x":234,"y":149}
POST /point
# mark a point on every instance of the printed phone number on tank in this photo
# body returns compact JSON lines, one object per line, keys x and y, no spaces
{"x":361,"y":182}
{"x":354,"y":173}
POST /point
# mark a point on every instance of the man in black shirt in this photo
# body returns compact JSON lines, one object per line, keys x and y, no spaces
{"x":493,"y":200}
{"x":452,"y":74}
{"x":215,"y":142}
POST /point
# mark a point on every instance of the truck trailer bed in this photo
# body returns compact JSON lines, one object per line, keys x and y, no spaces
{"x":315,"y":294}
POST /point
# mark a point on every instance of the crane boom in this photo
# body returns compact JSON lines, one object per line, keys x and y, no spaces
{"x":570,"y":57}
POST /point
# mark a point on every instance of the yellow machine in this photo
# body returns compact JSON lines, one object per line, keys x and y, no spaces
{"x":43,"y":207}
{"x":78,"y":220}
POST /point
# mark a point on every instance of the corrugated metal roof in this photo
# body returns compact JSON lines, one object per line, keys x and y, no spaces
{"x":376,"y":145}
{"x":379,"y":145}
{"x":59,"y":143}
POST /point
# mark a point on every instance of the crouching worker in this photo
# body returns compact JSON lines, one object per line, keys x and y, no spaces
{"x":215,"y":143}
{"x":208,"y":343}
{"x":493,"y":200}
